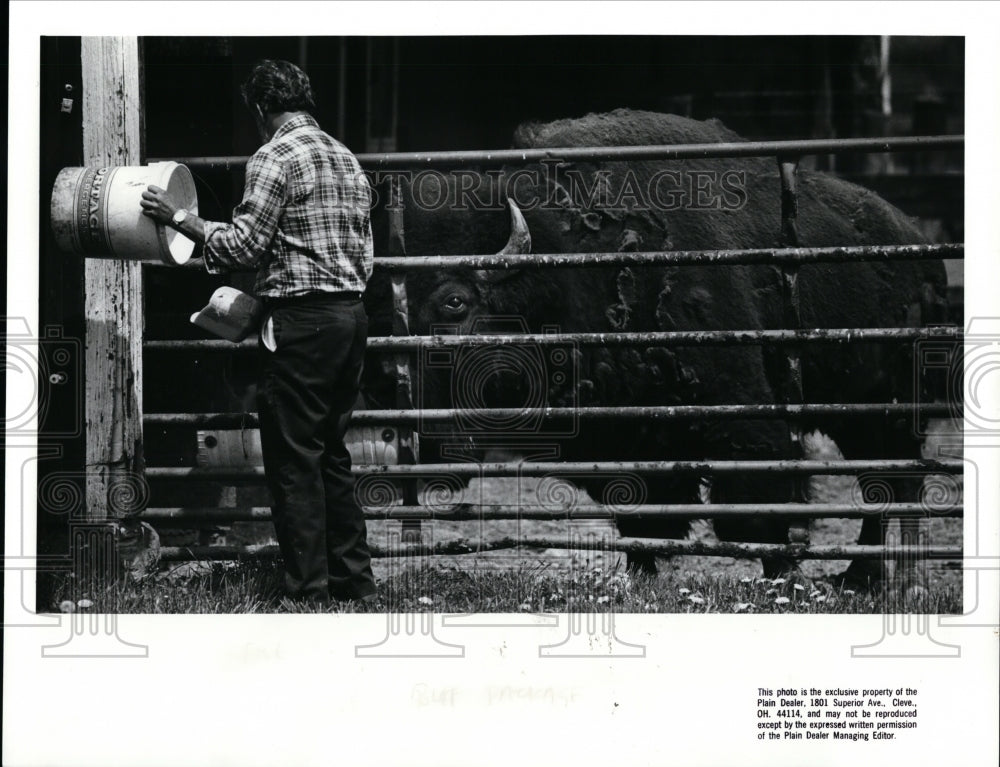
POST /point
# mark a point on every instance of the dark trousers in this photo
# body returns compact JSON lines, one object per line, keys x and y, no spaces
{"x":307,"y":390}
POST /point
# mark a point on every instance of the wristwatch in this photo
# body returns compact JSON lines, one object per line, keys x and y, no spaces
{"x":179,"y":215}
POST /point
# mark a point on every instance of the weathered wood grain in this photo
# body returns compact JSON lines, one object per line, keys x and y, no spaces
{"x":113,"y":288}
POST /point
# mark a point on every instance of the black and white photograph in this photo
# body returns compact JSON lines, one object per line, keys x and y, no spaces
{"x":608,"y":372}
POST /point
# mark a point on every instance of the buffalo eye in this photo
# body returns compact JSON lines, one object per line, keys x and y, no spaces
{"x":455,"y":304}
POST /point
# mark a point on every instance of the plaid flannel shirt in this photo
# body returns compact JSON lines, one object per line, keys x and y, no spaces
{"x":304,"y":223}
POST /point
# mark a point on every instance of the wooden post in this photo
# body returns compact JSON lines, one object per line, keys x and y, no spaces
{"x":112,"y":135}
{"x":798,"y":531}
{"x":409,"y":449}
{"x":381,"y":94}
{"x":884,"y":161}
{"x":342,"y":89}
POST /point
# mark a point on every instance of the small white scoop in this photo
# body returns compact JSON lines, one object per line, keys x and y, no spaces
{"x":231,"y":314}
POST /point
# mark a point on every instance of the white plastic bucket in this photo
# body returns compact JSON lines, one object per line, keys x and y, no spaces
{"x":232,"y":448}
{"x":96,"y":212}
{"x":231,"y":314}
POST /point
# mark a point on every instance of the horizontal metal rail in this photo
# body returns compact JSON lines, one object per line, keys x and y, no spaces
{"x":585,"y":468}
{"x":468,"y":512}
{"x":669,"y":338}
{"x":651,"y":412}
{"x":623,"y":545}
{"x":850,"y":254}
{"x":410,"y":160}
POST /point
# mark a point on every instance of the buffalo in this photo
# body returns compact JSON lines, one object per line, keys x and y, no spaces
{"x":695,"y":204}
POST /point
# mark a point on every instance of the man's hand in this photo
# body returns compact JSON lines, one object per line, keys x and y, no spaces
{"x":194,"y":263}
{"x":159,"y":205}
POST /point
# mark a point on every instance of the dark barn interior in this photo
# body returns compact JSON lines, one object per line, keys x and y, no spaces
{"x":451,"y":93}
{"x":441,"y":93}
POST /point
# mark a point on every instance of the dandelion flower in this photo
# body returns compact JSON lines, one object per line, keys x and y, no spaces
{"x":66,"y":606}
{"x":781,"y":600}
{"x":425,"y":601}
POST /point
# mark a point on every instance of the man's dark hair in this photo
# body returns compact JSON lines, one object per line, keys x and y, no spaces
{"x":278,"y":86}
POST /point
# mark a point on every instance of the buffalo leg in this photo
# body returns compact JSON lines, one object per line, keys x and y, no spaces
{"x":871,"y":573}
{"x":774,"y":438}
{"x":658,"y":490}
{"x":881,"y":488}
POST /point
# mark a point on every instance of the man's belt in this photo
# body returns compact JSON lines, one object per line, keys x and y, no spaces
{"x":276,"y":302}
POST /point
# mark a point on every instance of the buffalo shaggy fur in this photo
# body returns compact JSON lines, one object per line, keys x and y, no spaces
{"x":744,"y":213}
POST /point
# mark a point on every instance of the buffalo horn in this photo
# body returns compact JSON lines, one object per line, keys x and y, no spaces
{"x":518,"y":243}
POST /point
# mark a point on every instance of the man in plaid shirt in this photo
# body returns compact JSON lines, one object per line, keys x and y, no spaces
{"x":303,"y":226}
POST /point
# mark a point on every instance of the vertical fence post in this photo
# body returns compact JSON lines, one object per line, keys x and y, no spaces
{"x":798,"y":531}
{"x":113,"y":312}
{"x":408,"y":442}
{"x":113,"y":287}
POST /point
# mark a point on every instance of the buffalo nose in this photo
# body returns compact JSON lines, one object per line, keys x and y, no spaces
{"x":505,"y":388}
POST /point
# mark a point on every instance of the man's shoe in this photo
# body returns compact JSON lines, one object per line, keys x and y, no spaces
{"x":302,"y":604}
{"x":342,"y":590}
{"x":367,"y":600}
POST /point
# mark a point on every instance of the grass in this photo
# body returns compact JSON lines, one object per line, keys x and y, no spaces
{"x":255,"y":587}
{"x":554,"y":580}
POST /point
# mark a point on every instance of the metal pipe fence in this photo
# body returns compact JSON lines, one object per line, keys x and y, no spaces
{"x":466,"y":512}
{"x":658,"y":338}
{"x":664,"y":547}
{"x":489,"y":158}
{"x":578,"y":468}
{"x":723,"y":257}
{"x":794,"y":338}
{"x":652,"y":412}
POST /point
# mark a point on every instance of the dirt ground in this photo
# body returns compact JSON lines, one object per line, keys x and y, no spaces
{"x":511,"y":491}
